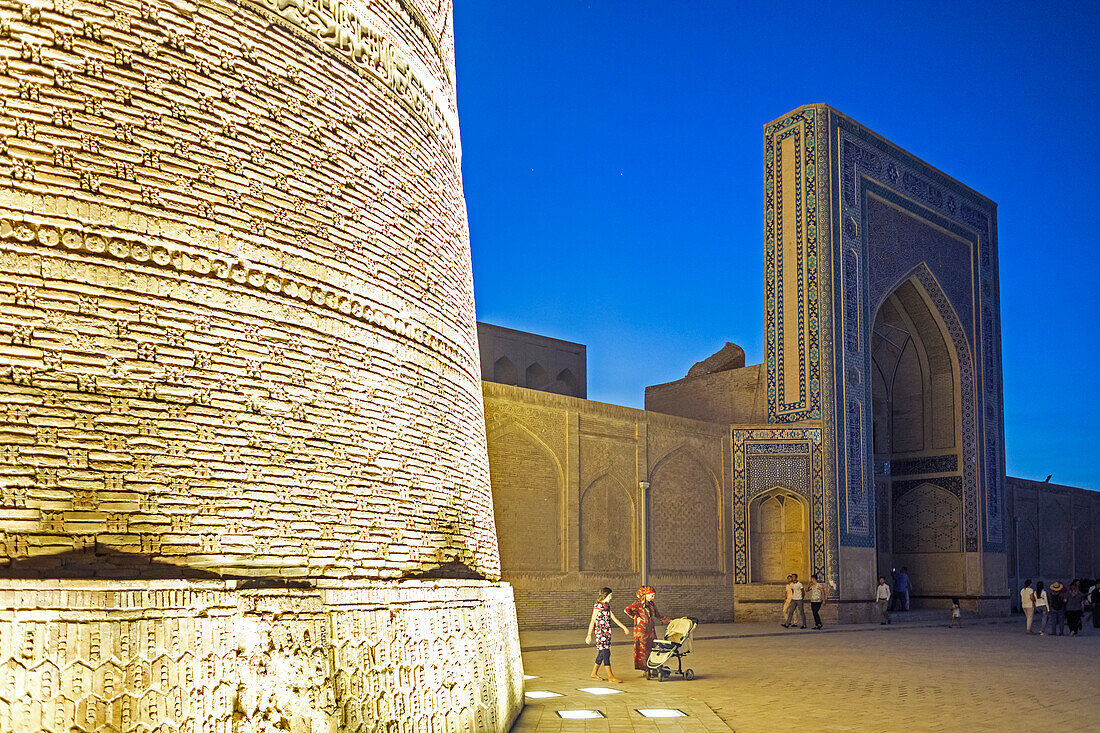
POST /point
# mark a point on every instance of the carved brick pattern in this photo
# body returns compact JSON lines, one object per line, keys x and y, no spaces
{"x":237,"y":335}
{"x":258,"y":324}
{"x":926,"y":519}
{"x":194,"y":657}
{"x":926,"y":464}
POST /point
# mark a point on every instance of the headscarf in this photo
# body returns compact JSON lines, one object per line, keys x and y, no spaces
{"x":644,"y":591}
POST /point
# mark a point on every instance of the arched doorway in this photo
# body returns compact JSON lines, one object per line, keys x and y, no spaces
{"x":917,"y":402}
{"x":779,"y":538}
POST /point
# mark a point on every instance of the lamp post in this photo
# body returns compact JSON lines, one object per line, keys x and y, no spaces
{"x":643,"y":532}
{"x":1073,"y":554}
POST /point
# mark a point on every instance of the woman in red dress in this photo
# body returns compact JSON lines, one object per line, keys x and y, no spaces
{"x":644,"y":612}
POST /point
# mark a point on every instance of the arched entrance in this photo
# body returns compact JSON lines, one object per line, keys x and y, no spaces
{"x":917,"y":402}
{"x":779,"y":537}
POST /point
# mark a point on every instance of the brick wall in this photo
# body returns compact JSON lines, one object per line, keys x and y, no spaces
{"x":237,"y":331}
{"x":563,"y":466}
{"x":735,"y":396}
{"x":237,"y":338}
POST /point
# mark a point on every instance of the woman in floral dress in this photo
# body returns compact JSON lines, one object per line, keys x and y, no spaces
{"x":600,"y":626}
{"x":644,"y":612}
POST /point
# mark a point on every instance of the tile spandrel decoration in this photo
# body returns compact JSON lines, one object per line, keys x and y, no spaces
{"x":237,"y":341}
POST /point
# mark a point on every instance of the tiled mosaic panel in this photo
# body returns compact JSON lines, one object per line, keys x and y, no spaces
{"x":800,"y":360}
{"x":862,"y":155}
{"x":179,"y":659}
{"x":236,"y":310}
{"x":764,"y":458}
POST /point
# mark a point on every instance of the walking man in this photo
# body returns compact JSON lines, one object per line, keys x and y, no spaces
{"x":1027,"y":602}
{"x":796,"y":603}
{"x":816,"y":594}
{"x":882,"y":598}
{"x":901,"y":590}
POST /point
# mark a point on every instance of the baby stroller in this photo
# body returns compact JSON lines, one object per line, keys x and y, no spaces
{"x":677,"y":643}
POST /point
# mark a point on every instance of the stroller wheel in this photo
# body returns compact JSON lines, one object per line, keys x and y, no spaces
{"x":689,"y":674}
{"x":665,"y":674}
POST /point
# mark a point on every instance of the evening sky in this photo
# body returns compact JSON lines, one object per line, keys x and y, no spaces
{"x":612,"y":162}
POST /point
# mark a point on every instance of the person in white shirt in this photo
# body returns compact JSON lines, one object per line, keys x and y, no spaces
{"x":796,"y":604}
{"x":882,"y":598}
{"x":1027,"y":602}
{"x":1042,"y":607}
{"x":786,"y":600}
{"x":817,"y":595}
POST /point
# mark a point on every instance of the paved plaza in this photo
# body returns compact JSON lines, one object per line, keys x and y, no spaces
{"x":921,"y":675}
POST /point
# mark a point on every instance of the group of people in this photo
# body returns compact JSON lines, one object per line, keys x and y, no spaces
{"x":645,"y":614}
{"x":1060,"y":608}
{"x":795,"y":601}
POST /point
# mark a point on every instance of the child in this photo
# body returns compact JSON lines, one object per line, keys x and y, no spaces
{"x":956,"y":614}
{"x":601,"y":625}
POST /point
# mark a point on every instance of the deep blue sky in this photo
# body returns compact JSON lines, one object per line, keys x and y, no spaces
{"x":612,"y":168}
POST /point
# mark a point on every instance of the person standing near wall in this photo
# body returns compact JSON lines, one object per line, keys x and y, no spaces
{"x":902,"y":587}
{"x":817,"y":596}
{"x":882,"y":599}
{"x":1094,"y":600}
{"x":786,"y":600}
{"x":797,"y":603}
{"x":1027,"y":602}
{"x":1075,"y":607}
{"x":1042,"y":607}
{"x":644,"y":611}
{"x":1057,"y":600}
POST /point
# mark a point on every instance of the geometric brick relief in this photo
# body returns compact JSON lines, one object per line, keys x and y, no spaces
{"x":527,"y":482}
{"x":195,"y":656}
{"x":927,"y":519}
{"x":237,"y":309}
{"x":683,"y":518}
{"x":927,"y":464}
{"x":606,"y":527}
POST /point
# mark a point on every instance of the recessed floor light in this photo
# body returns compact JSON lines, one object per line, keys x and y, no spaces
{"x":538,"y":694}
{"x":661,"y":713}
{"x":599,"y":690}
{"x":530,"y":677}
{"x":579,"y":714}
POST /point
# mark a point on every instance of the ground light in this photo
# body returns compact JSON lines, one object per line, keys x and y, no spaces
{"x":539,"y":694}
{"x":530,"y":677}
{"x":599,"y":690}
{"x":661,"y":713}
{"x":579,"y":714}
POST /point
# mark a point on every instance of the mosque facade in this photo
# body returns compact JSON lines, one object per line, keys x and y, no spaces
{"x":871,"y":439}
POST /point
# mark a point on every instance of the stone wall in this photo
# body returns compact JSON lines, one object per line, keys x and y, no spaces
{"x":574,"y":484}
{"x":237,"y":332}
{"x":735,"y":396}
{"x":1054,"y":533}
{"x":533,"y":361}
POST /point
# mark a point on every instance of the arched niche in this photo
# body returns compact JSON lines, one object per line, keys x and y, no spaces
{"x":567,"y":383}
{"x":504,"y":371}
{"x":927,"y":519}
{"x":536,"y":377}
{"x":607,"y":527}
{"x":779,"y":536}
{"x":526,"y":481}
{"x":682,"y":519}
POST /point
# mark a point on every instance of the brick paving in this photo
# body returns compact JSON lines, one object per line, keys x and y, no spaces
{"x":758,"y":677}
